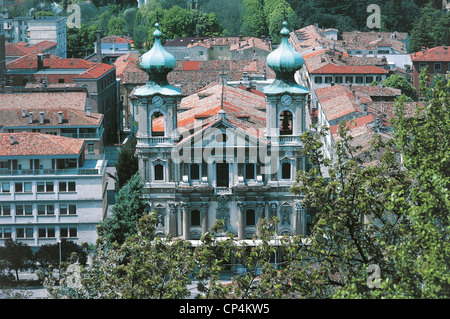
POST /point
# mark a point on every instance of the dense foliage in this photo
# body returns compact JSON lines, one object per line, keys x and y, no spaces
{"x":380,"y":228}
{"x":423,"y":19}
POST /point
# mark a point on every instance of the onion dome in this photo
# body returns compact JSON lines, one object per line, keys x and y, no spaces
{"x":157,"y":60}
{"x":157,"y":63}
{"x":285,"y":59}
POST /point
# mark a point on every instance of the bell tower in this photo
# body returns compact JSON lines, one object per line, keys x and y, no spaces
{"x":157,"y":114}
{"x":285,"y":110}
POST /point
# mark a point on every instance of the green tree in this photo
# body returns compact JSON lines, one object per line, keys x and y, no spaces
{"x":229,"y":14}
{"x":126,"y":212}
{"x":421,"y":34}
{"x":278,"y":11}
{"x":127,"y":163}
{"x":254,"y":19}
{"x":17,"y":256}
{"x":117,"y":25}
{"x":400,"y":82}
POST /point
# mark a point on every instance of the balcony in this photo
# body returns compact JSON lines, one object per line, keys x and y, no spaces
{"x":84,"y":136}
{"x":155,"y":141}
{"x":94,"y":165}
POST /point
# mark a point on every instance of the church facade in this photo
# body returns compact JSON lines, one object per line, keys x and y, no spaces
{"x":230,"y":154}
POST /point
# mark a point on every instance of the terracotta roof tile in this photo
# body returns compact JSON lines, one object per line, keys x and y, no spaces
{"x":440,"y":53}
{"x":29,"y":144}
{"x":71,"y":117}
{"x":74,"y":100}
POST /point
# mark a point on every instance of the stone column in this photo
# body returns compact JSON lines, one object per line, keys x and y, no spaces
{"x":241,"y":220}
{"x":204,"y":216}
{"x":173,"y":212}
{"x":186,"y":222}
{"x":260,"y":207}
{"x":300,"y":223}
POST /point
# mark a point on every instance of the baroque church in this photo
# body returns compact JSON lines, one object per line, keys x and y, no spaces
{"x":231,"y":153}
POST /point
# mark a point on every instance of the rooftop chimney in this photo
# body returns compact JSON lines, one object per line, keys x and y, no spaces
{"x":223,"y":78}
{"x":60,"y":117}
{"x":12,"y":139}
{"x":31,"y":117}
{"x":41,"y":117}
{"x":88,"y":111}
{"x":24,"y":113}
{"x":40,"y":62}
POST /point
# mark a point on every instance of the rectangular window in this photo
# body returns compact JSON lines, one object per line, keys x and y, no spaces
{"x":46,"y":209}
{"x":349,"y":79}
{"x":369,"y":79}
{"x":195,"y":171}
{"x":5,"y":210}
{"x":24,"y":232}
{"x":438,"y":67}
{"x":250,"y":218}
{"x":22,"y":187}
{"x":422,"y":65}
{"x":67,"y":187}
{"x":68,"y":232}
{"x":46,"y":232}
{"x":65,"y":209}
{"x":338,"y":79}
{"x":328,"y":79}
{"x":318,"y":79}
{"x":90,"y":147}
{"x":249,"y":171}
{"x":6,"y":187}
{"x":359,"y":79}
{"x":19,"y":210}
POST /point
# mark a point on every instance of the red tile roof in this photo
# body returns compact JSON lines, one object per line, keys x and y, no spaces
{"x":59,"y":100}
{"x":88,"y":69}
{"x":116,"y":39}
{"x":440,"y":53}
{"x":233,"y":101}
{"x":71,"y":117}
{"x":95,"y":72}
{"x":37,"y":144}
{"x":338,"y":100}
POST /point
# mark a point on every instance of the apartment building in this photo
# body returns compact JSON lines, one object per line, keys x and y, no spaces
{"x":55,"y":113}
{"x":436,"y":60}
{"x":49,"y":190}
{"x":98,"y":79}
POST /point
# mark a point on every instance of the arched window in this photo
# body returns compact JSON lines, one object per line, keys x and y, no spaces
{"x":250,"y":218}
{"x":286,"y":171}
{"x":159,"y":172}
{"x":157,"y":124}
{"x":195,"y":218}
{"x":286,"y":121}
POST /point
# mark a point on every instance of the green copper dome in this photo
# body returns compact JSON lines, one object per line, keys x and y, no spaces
{"x":157,"y":60}
{"x":285,"y":59}
{"x":157,"y":63}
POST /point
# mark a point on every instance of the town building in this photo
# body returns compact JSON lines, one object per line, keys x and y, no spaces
{"x":51,"y":29}
{"x":230,"y":155}
{"x":366,"y":110}
{"x":48,"y":190}
{"x":219,"y":48}
{"x":98,"y":79}
{"x":324,"y":68}
{"x":111,"y":47}
{"x":17,"y":50}
{"x":2,"y":54}
{"x":436,"y":60}
{"x":53,"y":112}
{"x":33,"y":30}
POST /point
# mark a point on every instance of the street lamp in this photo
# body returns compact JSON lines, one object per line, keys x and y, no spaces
{"x":59,"y":246}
